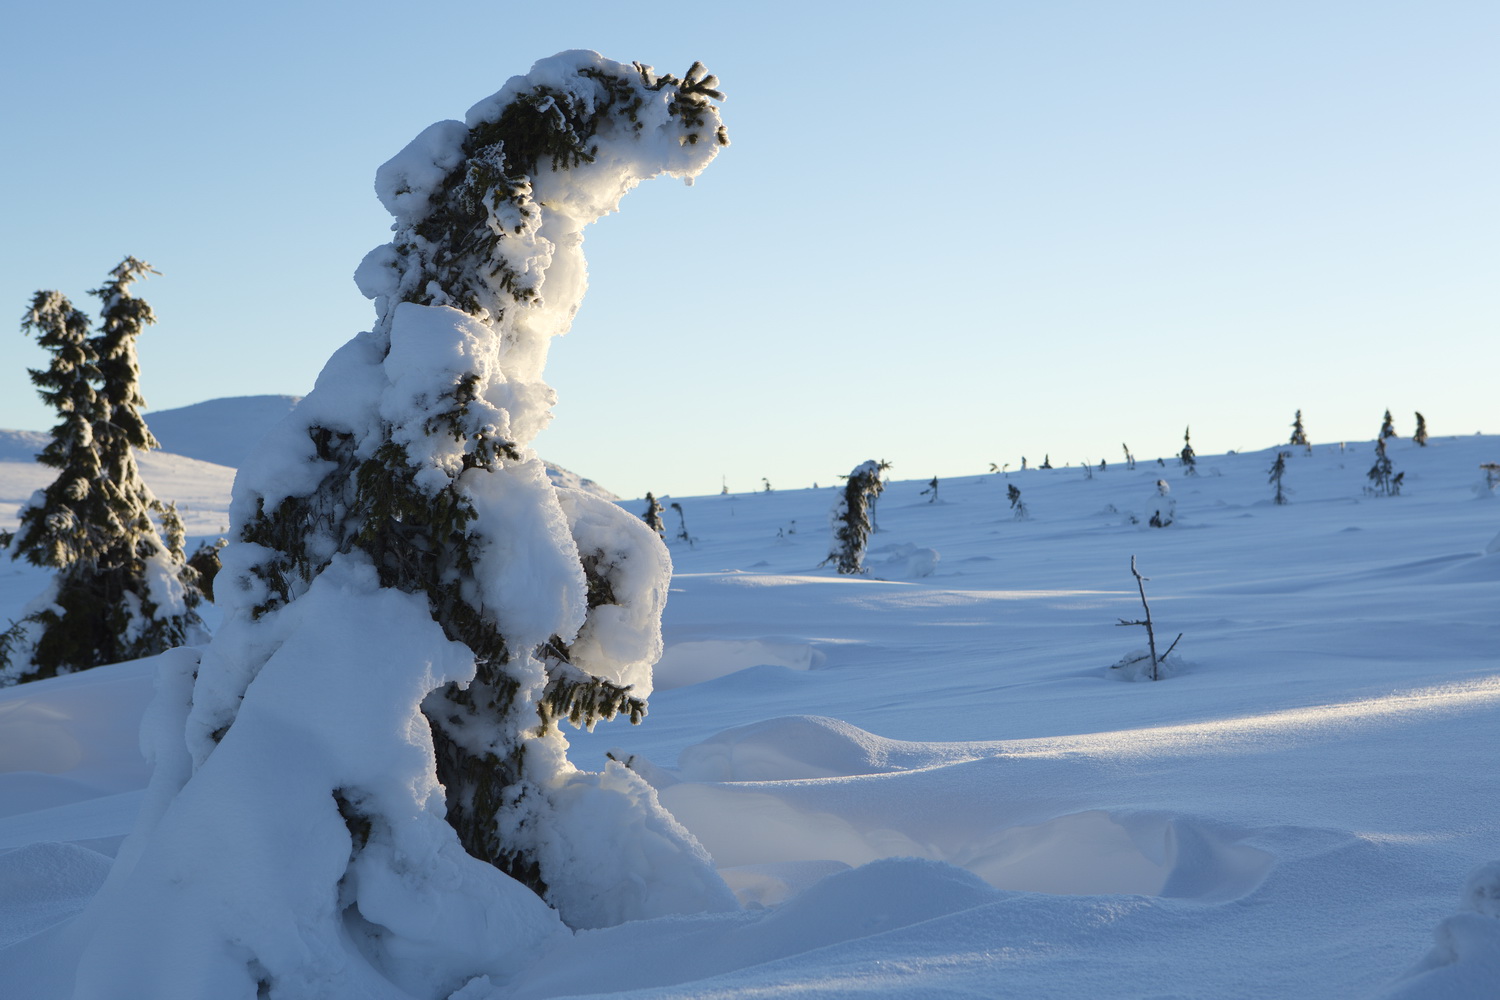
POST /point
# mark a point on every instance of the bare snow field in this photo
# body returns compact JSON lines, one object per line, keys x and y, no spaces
{"x":928,"y":782}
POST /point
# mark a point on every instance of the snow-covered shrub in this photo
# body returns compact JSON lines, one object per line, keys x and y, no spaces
{"x":412,"y":608}
{"x":1420,"y":434}
{"x":122,"y":587}
{"x":1384,"y":480}
{"x":1161,"y":510}
{"x":652,"y":516}
{"x":850,"y":517}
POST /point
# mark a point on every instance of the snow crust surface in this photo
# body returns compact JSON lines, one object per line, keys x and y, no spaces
{"x":932,"y":787}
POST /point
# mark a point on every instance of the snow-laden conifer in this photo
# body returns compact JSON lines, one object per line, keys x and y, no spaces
{"x":122,"y":587}
{"x":413,"y":609}
{"x":1420,"y":434}
{"x":652,"y":516}
{"x":1278,"y":469}
{"x":1388,"y":426}
{"x":851,"y":517}
{"x":1188,"y":456}
{"x":1299,"y":433}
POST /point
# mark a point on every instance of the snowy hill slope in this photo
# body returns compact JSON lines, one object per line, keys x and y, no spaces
{"x":1293,"y":815}
{"x":221,"y":431}
{"x":200,"y":489}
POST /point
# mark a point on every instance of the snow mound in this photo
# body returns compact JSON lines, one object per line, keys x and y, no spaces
{"x":866,"y":902}
{"x":1464,"y":963}
{"x":694,"y":662}
{"x":45,"y":884}
{"x":800,"y":746}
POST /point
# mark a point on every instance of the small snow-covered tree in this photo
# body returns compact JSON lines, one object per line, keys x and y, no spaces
{"x":682,"y":529}
{"x":851,"y":517}
{"x":413,"y":608}
{"x":1388,"y":427}
{"x":122,"y":587}
{"x":1129,"y":458}
{"x":1161,"y":510}
{"x":932,"y":490}
{"x":1384,"y":480}
{"x":1299,"y":433}
{"x":1187,"y":456}
{"x":1278,"y":469}
{"x":1017,"y":505}
{"x":652,"y":516}
{"x":1046,"y":462}
{"x":1420,"y":434}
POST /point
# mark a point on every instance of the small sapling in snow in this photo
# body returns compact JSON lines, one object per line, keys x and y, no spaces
{"x":1388,"y":427}
{"x":1157,"y":662}
{"x":1046,"y":462}
{"x":652,"y":516}
{"x":1277,"y":471}
{"x":851,"y":517}
{"x":1384,"y":480}
{"x":1016,"y":503}
{"x":682,"y":532}
{"x":1129,"y":458}
{"x":1299,"y":433}
{"x":1187,"y":456}
{"x":1162,"y":509}
{"x":1420,"y":435}
{"x":932,"y":488}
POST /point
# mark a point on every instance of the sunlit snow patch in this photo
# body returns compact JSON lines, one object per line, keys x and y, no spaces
{"x":695,"y":662}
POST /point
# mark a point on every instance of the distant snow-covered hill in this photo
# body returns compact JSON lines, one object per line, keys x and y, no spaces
{"x":224,"y":431}
{"x":221,"y":431}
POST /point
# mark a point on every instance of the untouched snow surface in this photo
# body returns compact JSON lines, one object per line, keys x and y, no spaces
{"x":934,"y":786}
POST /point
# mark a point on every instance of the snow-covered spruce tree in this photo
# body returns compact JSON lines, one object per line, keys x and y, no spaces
{"x":932,"y":489}
{"x":850,"y":517}
{"x":1187,"y":455}
{"x":418,"y":608}
{"x":1420,"y":434}
{"x":652,"y":516}
{"x":1278,"y":469}
{"x":1299,"y":433}
{"x":1388,"y":426}
{"x":1384,"y":480}
{"x":122,"y":587}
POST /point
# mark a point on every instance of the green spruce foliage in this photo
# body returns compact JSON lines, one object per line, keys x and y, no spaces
{"x":851,"y":517}
{"x":1187,"y":456}
{"x":652,"y":516}
{"x":1299,"y":433}
{"x":1384,"y":480}
{"x":1278,"y":469}
{"x":1388,"y":427}
{"x":414,"y":519}
{"x":1420,"y":435}
{"x":122,"y":587}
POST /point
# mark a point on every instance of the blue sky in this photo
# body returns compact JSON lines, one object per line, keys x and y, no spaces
{"x":945,"y":235}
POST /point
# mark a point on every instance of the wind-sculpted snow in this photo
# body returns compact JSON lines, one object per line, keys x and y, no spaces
{"x":931,"y":787}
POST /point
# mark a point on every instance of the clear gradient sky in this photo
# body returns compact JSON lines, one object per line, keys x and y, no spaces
{"x":946,"y":234}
